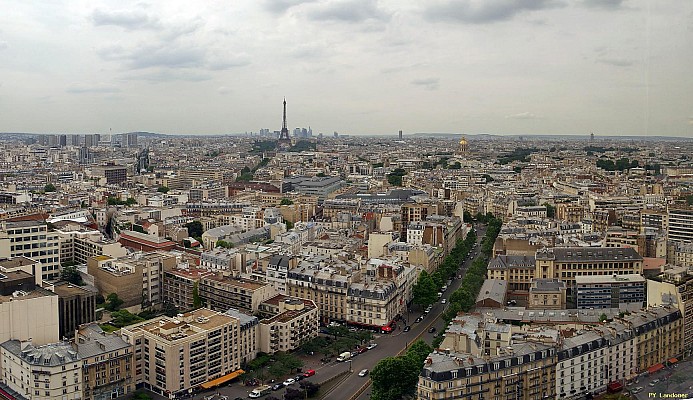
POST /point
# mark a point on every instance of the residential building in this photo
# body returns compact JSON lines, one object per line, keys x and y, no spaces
{"x":109,"y":174}
{"x":326,"y":286}
{"x":680,"y":226}
{"x":27,"y":312}
{"x":568,"y":262}
{"x":144,"y":242}
{"x":518,"y":271}
{"x":492,"y":294}
{"x":603,"y":291}
{"x":547,"y":294}
{"x":174,"y":355}
{"x":108,"y":363}
{"x":659,"y":332}
{"x":50,"y":371}
{"x":289,"y":322}
{"x":674,"y":287}
{"x":223,"y":292}
{"x":179,"y":287}
{"x":76,"y":306}
{"x":32,"y":239}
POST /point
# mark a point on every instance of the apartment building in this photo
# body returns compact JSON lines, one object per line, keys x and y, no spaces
{"x":78,"y":245}
{"x":137,"y":279}
{"x":659,"y":332}
{"x":325,"y":285}
{"x":221,"y":259}
{"x":108,"y":363}
{"x":27,"y":312}
{"x":603,"y":291}
{"x":179,"y":286}
{"x":581,"y":367}
{"x":518,"y":271}
{"x":289,"y":322}
{"x":680,"y":226}
{"x":76,"y":306}
{"x":568,"y":262}
{"x":249,"y":337}
{"x":28,"y":265}
{"x":50,"y":371}
{"x":674,"y":287}
{"x":174,"y":355}
{"x":547,"y":294}
{"x":110,"y":174}
{"x":222,"y":292}
{"x":32,"y":239}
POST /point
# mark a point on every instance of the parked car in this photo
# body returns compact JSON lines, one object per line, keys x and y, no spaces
{"x":372,"y":346}
{"x":443,"y":301}
{"x":419,"y":319}
{"x":638,"y":389}
{"x":362,"y":350}
{"x":289,"y":382}
{"x":277,"y":386}
{"x":299,"y":377}
{"x":407,"y":328}
{"x":354,"y":354}
{"x":363,"y":372}
{"x":654,"y":382}
{"x":309,"y":373}
{"x":431,"y":329}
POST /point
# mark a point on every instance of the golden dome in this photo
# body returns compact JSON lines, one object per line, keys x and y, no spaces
{"x":463,"y":141}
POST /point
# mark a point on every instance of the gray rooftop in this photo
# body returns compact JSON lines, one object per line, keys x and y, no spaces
{"x":564,"y":254}
{"x":92,"y":341}
{"x":493,"y":289}
{"x":50,"y":355}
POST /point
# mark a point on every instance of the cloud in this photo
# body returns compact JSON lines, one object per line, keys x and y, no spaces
{"x":484,"y":11}
{"x":3,"y":45}
{"x":80,"y":88}
{"x":223,"y":90}
{"x":280,"y":6}
{"x":127,"y":19}
{"x":616,"y":62}
{"x":348,"y":11}
{"x":428,"y":83}
{"x":169,"y":75}
{"x":170,"y":56}
{"x":522,"y":115}
{"x":605,"y":4}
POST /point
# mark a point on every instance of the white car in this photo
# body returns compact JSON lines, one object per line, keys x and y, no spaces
{"x":289,"y":382}
{"x":363,"y":372}
{"x":443,"y":301}
{"x":372,"y":346}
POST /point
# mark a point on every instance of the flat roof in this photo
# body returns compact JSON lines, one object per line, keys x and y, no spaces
{"x":587,"y":279}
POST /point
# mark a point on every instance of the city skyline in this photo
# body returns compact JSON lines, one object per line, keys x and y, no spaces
{"x":352,"y":66}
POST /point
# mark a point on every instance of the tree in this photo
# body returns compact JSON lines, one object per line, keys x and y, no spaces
{"x":224,"y":244}
{"x":49,"y":188}
{"x":395,"y":177}
{"x":320,"y":174}
{"x":394,"y":377}
{"x":162,"y":189}
{"x":603,"y":318}
{"x":286,"y":202}
{"x":467,"y":217}
{"x":195,"y":228}
{"x":419,"y":350}
{"x":197,"y":300}
{"x":310,"y":388}
{"x":425,"y":291}
{"x":550,"y":210}
{"x":71,"y":274}
{"x":113,"y":302}
{"x":123,"y":318}
{"x":289,"y":225}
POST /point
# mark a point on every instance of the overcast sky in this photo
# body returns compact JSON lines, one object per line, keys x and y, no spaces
{"x":352,"y":66}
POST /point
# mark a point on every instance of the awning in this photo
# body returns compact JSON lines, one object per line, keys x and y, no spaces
{"x":615,"y":386}
{"x":655,"y":368}
{"x":222,"y":380}
{"x":673,"y":360}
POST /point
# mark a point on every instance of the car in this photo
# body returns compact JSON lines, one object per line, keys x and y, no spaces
{"x":309,"y":373}
{"x":362,"y":350}
{"x":289,"y":382}
{"x":277,"y":386}
{"x":443,"y":301}
{"x":638,"y":389}
{"x":418,"y":319}
{"x":354,"y":354}
{"x":372,"y":346}
{"x":407,"y":328}
{"x":431,"y":329}
{"x":363,"y":372}
{"x":299,"y":377}
{"x":654,"y":382}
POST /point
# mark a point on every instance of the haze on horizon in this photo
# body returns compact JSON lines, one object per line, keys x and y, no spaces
{"x":615,"y":67}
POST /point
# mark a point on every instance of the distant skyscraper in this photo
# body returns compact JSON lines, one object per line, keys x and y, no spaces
{"x":335,"y":134}
{"x":62,"y":140}
{"x":592,"y":137}
{"x":400,"y":134}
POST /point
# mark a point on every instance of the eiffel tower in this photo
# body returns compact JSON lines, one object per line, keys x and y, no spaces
{"x":284,"y":139}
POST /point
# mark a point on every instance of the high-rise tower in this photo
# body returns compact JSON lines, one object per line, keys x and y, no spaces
{"x":284,"y":134}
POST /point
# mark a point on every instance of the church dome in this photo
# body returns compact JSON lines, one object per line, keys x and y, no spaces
{"x":463,"y":141}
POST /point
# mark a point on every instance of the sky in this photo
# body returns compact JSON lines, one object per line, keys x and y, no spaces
{"x":612,"y":67}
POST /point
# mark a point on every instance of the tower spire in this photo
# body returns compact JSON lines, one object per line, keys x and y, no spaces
{"x":284,"y":134}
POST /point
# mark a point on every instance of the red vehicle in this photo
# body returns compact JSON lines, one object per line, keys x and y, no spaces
{"x":309,"y":373}
{"x":389,"y":327}
{"x":362,"y":350}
